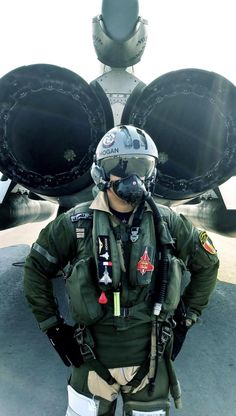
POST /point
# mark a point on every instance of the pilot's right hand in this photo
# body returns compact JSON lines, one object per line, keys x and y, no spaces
{"x":62,"y":339}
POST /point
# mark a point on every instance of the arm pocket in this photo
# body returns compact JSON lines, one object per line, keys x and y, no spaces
{"x":175,"y":273}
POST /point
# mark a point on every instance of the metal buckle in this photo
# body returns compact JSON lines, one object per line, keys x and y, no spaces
{"x":134,"y":232}
{"x":124,"y":312}
{"x":78,"y":335}
{"x":85,"y":349}
{"x":87,"y":352}
{"x":165,"y":336}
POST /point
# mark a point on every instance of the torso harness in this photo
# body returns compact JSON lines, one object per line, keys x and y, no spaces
{"x":110,"y":282}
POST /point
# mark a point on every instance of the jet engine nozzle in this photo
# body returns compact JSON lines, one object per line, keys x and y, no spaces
{"x":50,"y":123}
{"x":191,"y":115}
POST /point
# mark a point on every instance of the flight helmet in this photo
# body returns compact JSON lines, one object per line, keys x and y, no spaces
{"x":125,"y":151}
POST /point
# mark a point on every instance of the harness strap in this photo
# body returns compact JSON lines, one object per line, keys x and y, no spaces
{"x":135,"y":228}
{"x":175,"y":389}
{"x":102,"y":371}
{"x":136,"y":380}
{"x":161,"y":335}
{"x":85,"y":341}
{"x":160,"y":339}
{"x":164,"y":336}
{"x":153,"y":366}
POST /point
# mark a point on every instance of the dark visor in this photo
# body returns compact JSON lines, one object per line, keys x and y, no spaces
{"x":126,"y":166}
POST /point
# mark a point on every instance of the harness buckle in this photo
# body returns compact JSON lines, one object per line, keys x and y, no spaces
{"x":134,"y":234}
{"x":87,"y":352}
{"x":124,"y":312}
{"x":78,"y":334}
{"x":85,"y":349}
{"x":165,"y":336}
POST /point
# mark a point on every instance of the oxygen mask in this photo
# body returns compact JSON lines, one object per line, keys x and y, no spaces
{"x":134,"y":174}
{"x":131,"y":189}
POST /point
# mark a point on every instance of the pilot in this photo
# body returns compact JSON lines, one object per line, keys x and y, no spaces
{"x":124,"y":257}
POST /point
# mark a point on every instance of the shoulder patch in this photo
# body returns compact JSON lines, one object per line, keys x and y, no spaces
{"x":81,"y":216}
{"x":207,"y":243}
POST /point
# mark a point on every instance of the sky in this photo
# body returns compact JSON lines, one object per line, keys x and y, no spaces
{"x":181,"y":34}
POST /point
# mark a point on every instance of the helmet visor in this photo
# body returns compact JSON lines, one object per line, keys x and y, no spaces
{"x":126,"y":166}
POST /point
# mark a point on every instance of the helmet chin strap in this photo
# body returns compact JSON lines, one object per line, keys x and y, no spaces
{"x":104,"y":185}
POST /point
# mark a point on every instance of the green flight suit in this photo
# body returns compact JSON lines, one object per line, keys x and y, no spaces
{"x":62,"y":242}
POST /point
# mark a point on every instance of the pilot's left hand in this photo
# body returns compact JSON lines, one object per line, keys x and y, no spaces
{"x":183,"y":324}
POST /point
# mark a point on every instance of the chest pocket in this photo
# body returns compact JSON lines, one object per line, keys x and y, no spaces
{"x":81,"y":283}
{"x":83,"y":292}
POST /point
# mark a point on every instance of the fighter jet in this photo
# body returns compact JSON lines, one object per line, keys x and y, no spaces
{"x":51,"y":120}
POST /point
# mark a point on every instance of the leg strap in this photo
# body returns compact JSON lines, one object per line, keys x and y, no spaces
{"x":136,"y":380}
{"x":175,"y":389}
{"x":85,"y":341}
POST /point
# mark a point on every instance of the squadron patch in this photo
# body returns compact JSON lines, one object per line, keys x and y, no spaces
{"x":104,"y":260}
{"x":144,"y":265}
{"x":108,"y":140}
{"x":206,"y":243}
{"x":81,"y":216}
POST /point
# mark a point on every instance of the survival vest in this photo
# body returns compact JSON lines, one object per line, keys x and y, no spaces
{"x":99,"y":266}
{"x":99,"y":253}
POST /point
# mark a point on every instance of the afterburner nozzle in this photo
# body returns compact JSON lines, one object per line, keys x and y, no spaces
{"x":50,"y":123}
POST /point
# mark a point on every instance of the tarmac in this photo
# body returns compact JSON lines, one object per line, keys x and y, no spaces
{"x":33,"y":379}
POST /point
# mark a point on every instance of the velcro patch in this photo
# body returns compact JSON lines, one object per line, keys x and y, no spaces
{"x":104,"y":259}
{"x":81,"y":216}
{"x":80,"y":232}
{"x":144,"y":265}
{"x":207,"y":243}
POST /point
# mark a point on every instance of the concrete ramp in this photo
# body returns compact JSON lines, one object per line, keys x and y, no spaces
{"x":33,"y":379}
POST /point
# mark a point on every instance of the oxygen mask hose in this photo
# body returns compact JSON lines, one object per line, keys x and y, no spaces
{"x":160,"y":288}
{"x":132,"y":189}
{"x":164,"y":261}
